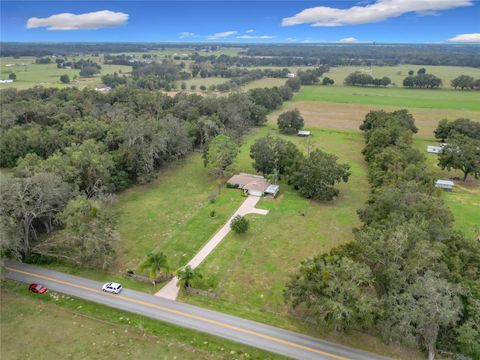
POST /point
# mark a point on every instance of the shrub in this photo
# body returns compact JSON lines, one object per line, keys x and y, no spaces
{"x":239,"y":224}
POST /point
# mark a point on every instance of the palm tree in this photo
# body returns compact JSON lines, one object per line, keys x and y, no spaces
{"x":187,"y":274}
{"x":155,"y":262}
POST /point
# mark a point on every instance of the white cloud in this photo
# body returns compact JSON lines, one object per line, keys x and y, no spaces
{"x":348,"y":40}
{"x":291,"y":39}
{"x":466,"y":38}
{"x":87,"y":21}
{"x":249,"y":31}
{"x":186,"y":34}
{"x":221,"y":35}
{"x":377,"y":11}
{"x":255,"y":37}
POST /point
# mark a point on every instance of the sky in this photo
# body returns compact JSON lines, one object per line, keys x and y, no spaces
{"x":382,"y":21}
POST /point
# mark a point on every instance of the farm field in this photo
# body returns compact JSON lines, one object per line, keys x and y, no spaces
{"x":464,"y":199}
{"x":406,"y":98}
{"x":331,"y":115}
{"x":48,"y":74}
{"x":58,"y":327}
{"x":398,"y":72}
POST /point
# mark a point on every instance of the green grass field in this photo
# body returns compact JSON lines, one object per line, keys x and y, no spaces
{"x":172,"y":214}
{"x":464,"y":200}
{"x":399,"y":72}
{"x":54,"y":326}
{"x":407,"y":98}
{"x":250,"y":270}
{"x":48,"y":75}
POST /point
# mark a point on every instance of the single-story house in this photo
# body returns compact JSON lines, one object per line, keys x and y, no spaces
{"x":434,"y":149}
{"x":290,"y":75}
{"x":103,"y":88}
{"x":303,"y":133}
{"x":252,"y":184}
{"x":444,"y":184}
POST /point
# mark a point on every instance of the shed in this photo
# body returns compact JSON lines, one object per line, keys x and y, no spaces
{"x":434,"y":149}
{"x":303,"y":133}
{"x":103,"y":88}
{"x":444,"y":184}
{"x":290,"y":75}
{"x":272,"y":190}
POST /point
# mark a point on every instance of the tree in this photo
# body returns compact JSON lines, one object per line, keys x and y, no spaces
{"x":461,"y":126}
{"x":12,"y":76}
{"x":38,"y":198}
{"x":336,"y":290}
{"x":421,"y":71}
{"x":187,"y":275}
{"x":463,"y":81}
{"x":327,"y":81}
{"x":239,"y":224}
{"x":443,"y":130}
{"x":220,"y":155}
{"x":155,"y":262}
{"x":411,"y":72}
{"x":183,"y":86}
{"x":65,"y":79}
{"x":416,"y":315}
{"x":317,"y":175}
{"x":89,"y":71}
{"x":90,"y":235}
{"x":274,"y":155}
{"x":462,"y":153}
{"x":294,"y":83}
{"x":290,"y":122}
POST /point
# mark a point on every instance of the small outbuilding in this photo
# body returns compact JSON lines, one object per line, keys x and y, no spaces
{"x":103,"y":88}
{"x":6,"y":81}
{"x":303,"y":133}
{"x":445,"y":184}
{"x":434,"y":149}
{"x":272,"y":190}
{"x":290,"y":75}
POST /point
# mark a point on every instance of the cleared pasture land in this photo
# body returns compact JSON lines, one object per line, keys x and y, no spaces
{"x":464,"y":199}
{"x":48,"y":75}
{"x":172,"y":214}
{"x":331,"y":115}
{"x":53,"y":326}
{"x":399,"y":72}
{"x":406,"y":98}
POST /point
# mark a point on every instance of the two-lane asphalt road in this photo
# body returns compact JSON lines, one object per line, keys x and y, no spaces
{"x":244,"y":331}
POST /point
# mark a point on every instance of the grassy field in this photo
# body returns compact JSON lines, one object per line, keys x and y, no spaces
{"x":330,"y":115}
{"x":407,"y":98}
{"x":464,"y":200}
{"x":53,"y":326}
{"x":251,"y":270}
{"x":172,"y":214}
{"x":33,"y":74}
{"x":399,"y":72}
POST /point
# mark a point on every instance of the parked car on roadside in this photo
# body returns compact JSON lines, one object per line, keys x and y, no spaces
{"x":37,"y":288}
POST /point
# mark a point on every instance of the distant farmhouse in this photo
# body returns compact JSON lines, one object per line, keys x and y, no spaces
{"x":434,"y":149}
{"x":255,"y":185}
{"x":444,"y":184}
{"x":303,"y":133}
{"x":103,"y":88}
{"x":290,"y":75}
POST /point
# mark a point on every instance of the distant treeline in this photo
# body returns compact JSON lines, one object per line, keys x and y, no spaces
{"x":366,"y":54}
{"x":276,"y":54}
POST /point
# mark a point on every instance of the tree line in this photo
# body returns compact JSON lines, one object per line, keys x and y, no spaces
{"x":71,"y":149}
{"x":359,"y":78}
{"x":408,"y":274}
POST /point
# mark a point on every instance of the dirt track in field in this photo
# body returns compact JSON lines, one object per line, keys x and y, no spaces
{"x":350,"y":116}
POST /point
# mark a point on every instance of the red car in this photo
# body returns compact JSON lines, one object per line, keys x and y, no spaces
{"x":37,"y":288}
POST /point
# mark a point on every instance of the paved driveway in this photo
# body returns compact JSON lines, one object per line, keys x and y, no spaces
{"x":170,"y":291}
